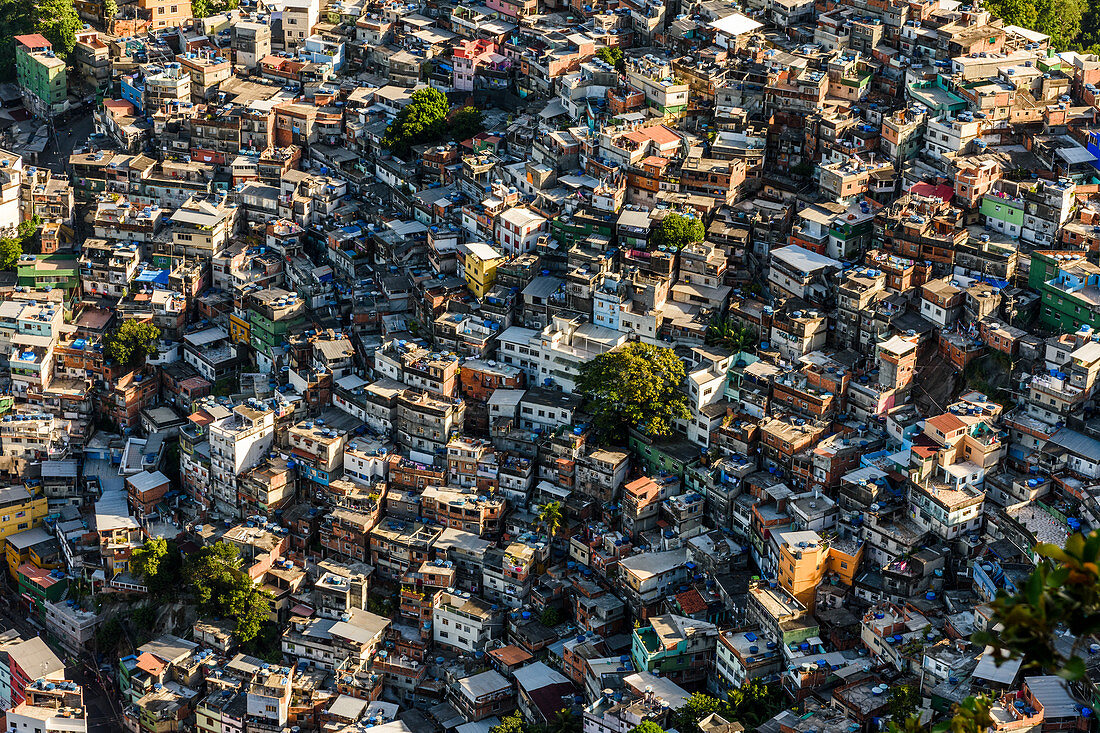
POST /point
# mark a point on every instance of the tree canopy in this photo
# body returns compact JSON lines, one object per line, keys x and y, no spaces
{"x":158,"y":563}
{"x":131,"y":342}
{"x":612,"y":55}
{"x":635,"y":386}
{"x":57,"y":20}
{"x":206,"y":8}
{"x":467,"y":122}
{"x":221,"y":588}
{"x":1071,"y":24}
{"x":677,"y":231}
{"x":422,"y":120}
{"x":12,"y":248}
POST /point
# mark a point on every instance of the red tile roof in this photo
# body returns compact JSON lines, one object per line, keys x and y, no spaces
{"x":691,"y":602}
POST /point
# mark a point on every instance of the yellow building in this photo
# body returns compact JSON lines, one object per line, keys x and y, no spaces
{"x":35,"y":546}
{"x":805,"y":559}
{"x":479,"y":267}
{"x":240,"y":331}
{"x":20,"y":510}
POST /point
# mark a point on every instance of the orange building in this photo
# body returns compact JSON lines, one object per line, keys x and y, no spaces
{"x":805,"y":559}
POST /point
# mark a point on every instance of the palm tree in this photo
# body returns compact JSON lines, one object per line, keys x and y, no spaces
{"x":550,"y":518}
{"x":726,"y":333}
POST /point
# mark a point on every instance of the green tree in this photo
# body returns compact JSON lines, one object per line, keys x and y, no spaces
{"x":206,"y":8}
{"x":550,"y":518}
{"x":1060,"y":19}
{"x":634,"y":386}
{"x":57,"y":20}
{"x":1014,"y":12}
{"x":614,"y":56}
{"x":550,"y":617}
{"x":11,"y":249}
{"x":422,"y":120}
{"x":677,"y":231}
{"x":753,"y":703}
{"x":698,"y":706}
{"x":729,"y":334}
{"x":647,"y":726}
{"x":158,"y":563}
{"x":131,"y":342}
{"x":211,"y":575}
{"x":467,"y":122}
{"x":564,"y":722}
{"x":904,"y":701}
{"x":251,"y":608}
{"x":513,"y":723}
{"x":110,"y":10}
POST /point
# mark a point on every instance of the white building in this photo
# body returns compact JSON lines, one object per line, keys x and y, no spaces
{"x":518,"y":229}
{"x":237,"y":443}
{"x":464,"y":622}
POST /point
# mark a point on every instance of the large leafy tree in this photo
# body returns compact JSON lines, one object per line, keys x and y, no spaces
{"x":677,"y":231}
{"x":635,"y":386}
{"x":904,"y":701}
{"x":467,"y":122}
{"x":612,"y":55}
{"x":158,"y":563}
{"x":221,"y":588}
{"x":686,"y":718}
{"x":422,"y":120}
{"x":513,"y":723}
{"x":131,"y":342}
{"x":57,"y":20}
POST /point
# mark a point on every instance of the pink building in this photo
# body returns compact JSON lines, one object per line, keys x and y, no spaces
{"x":480,"y":58}
{"x":514,"y":9}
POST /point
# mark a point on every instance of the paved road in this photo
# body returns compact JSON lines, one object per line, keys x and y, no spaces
{"x":70,"y":134}
{"x":104,"y":714}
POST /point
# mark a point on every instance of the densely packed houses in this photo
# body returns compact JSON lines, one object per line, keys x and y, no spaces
{"x":868,"y":231}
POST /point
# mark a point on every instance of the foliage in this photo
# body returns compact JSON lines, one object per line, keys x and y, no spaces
{"x":550,"y":517}
{"x":110,"y":9}
{"x":635,"y":386}
{"x":131,"y":342}
{"x":220,"y":588}
{"x":698,"y":706}
{"x":158,"y":563}
{"x":751,"y":705}
{"x":513,"y":723}
{"x":422,"y":120}
{"x":1063,"y":592}
{"x":647,"y":726}
{"x":614,"y":56}
{"x":904,"y":701}
{"x":206,"y":8}
{"x":730,"y":335}
{"x":57,"y":20}
{"x":550,"y":616}
{"x":677,"y":231}
{"x":1069,"y":23}
{"x":12,"y":248}
{"x":467,"y":122}
{"x":10,"y":252}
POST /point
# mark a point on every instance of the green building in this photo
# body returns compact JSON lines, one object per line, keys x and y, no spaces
{"x":272,"y":313}
{"x":569,"y":229}
{"x":673,"y":456}
{"x":38,"y":585}
{"x":48,"y":271}
{"x":1068,"y":287}
{"x":1003,"y":213}
{"x":41,"y":75}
